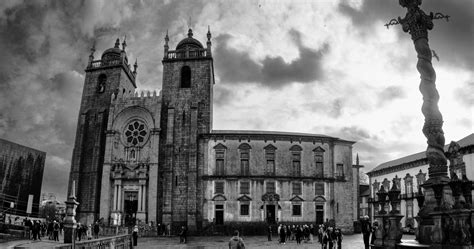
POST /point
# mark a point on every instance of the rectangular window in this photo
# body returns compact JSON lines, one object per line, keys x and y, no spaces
{"x":340,"y":170}
{"x":297,"y":188}
{"x":219,"y":167}
{"x":319,"y":169}
{"x":296,"y":168}
{"x":244,"y":167}
{"x":319,"y":188}
{"x":270,"y":170}
{"x":219,"y":187}
{"x":270,"y":187}
{"x":244,"y":209}
{"x":296,"y":210}
{"x":244,"y":187}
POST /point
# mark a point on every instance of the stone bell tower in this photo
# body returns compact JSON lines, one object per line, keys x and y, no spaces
{"x":110,"y":74}
{"x":188,"y":79}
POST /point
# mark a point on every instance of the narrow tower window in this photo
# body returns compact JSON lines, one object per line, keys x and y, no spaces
{"x":101,"y":83}
{"x":185,"y":77}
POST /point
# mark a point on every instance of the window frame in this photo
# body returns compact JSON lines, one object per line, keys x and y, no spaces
{"x":300,"y":188}
{"x":216,"y":187}
{"x":293,"y":205}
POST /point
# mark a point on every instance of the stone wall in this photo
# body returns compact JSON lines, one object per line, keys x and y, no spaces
{"x":186,"y":113}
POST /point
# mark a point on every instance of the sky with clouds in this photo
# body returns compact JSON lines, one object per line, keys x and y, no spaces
{"x":325,"y":67}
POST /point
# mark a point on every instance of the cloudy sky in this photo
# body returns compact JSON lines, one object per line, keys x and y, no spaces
{"x":325,"y":67}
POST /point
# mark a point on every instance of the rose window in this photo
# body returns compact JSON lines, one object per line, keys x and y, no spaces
{"x":135,"y":133}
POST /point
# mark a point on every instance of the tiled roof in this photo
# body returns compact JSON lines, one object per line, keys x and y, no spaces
{"x":466,"y":141}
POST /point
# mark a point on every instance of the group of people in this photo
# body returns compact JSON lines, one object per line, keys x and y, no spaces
{"x":87,"y":231}
{"x":294,"y":232}
{"x":368,"y":231}
{"x":40,"y":229}
{"x":330,"y":237}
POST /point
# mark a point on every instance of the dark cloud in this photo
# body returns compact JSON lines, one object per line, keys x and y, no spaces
{"x":238,"y":67}
{"x":389,"y":94}
{"x":45,"y":47}
{"x":451,"y":40}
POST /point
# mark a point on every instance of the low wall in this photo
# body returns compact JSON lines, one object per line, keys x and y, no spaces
{"x":120,"y":241}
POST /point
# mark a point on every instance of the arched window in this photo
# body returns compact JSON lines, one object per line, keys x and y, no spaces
{"x":101,"y":83}
{"x":185,"y":77}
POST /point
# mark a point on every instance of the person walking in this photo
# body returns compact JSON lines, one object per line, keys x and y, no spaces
{"x":366,"y":230}
{"x":338,"y":235}
{"x":182,"y":235}
{"x":55,"y":231}
{"x":373,"y":230}
{"x":135,"y":235}
{"x":282,"y":234}
{"x":96,"y":230}
{"x":236,"y":242}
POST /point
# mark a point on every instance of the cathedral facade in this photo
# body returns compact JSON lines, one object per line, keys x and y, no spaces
{"x":154,"y":157}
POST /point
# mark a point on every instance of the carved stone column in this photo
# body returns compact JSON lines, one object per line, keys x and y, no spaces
{"x":70,"y":220}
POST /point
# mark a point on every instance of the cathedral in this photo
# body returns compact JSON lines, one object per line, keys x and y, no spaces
{"x":154,"y":157}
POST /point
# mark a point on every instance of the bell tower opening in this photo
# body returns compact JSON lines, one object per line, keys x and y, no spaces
{"x":185,"y":77}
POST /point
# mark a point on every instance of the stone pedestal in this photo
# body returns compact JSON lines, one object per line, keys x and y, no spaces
{"x":70,"y":221}
{"x":381,"y":231}
{"x":389,"y":232}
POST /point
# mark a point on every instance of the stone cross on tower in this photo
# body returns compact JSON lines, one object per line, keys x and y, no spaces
{"x":417,"y":24}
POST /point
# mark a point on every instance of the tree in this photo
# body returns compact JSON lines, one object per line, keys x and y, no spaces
{"x":48,"y":211}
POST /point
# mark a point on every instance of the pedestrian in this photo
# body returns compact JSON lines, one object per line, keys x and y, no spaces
{"x":339,"y":236}
{"x":374,"y":229}
{"x":366,"y":229}
{"x":182,"y":235}
{"x":236,"y":242}
{"x":89,"y":232}
{"x":324,"y":238}
{"x":96,"y":230}
{"x":331,"y":238}
{"x":79,"y":231}
{"x":168,"y":230}
{"x":135,"y":235}
{"x":55,"y":231}
{"x":282,"y":234}
{"x":269,"y":233}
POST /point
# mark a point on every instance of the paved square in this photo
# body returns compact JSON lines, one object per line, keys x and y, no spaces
{"x":350,"y":242}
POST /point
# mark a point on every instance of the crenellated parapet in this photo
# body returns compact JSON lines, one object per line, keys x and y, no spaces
{"x":137,"y":96}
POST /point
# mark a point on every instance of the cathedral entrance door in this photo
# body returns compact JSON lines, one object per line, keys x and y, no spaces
{"x":130,"y":208}
{"x":271,"y":214}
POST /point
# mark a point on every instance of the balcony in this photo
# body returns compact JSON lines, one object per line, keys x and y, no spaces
{"x":186,"y":54}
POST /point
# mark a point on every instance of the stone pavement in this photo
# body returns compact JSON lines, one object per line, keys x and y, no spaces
{"x":349,"y":242}
{"x":210,"y":242}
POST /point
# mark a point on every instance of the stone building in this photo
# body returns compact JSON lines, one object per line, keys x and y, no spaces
{"x":21,"y":175}
{"x":411,"y":171}
{"x":155,"y":157}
